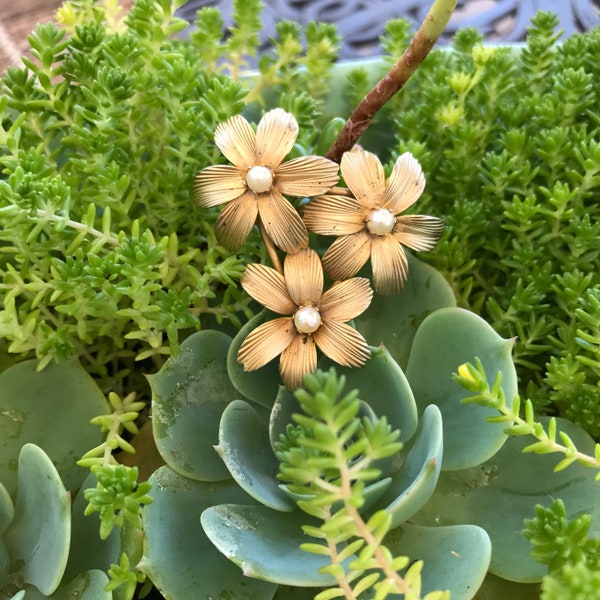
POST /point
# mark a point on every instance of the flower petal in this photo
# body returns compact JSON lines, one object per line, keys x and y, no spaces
{"x":265,"y":342}
{"x":304,"y":276}
{"x":237,"y":141}
{"x":282,"y":221}
{"x":389,"y":264}
{"x":345,"y":300}
{"x":334,"y":215}
{"x":236,"y":221}
{"x":347,"y":255}
{"x":298,"y":359}
{"x":342,"y":344}
{"x":275,"y":137}
{"x":218,"y":184}
{"x":364,"y":175}
{"x":419,"y":232}
{"x":405,"y":184}
{"x":306,"y":176}
{"x":267,"y":286}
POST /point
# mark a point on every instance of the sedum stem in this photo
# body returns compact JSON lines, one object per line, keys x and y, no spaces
{"x":427,"y":35}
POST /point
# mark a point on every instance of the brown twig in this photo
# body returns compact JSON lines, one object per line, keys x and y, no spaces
{"x":432,"y":27}
{"x":271,"y":250}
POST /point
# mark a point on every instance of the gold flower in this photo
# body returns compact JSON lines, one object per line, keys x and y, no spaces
{"x":254,"y":186}
{"x":368,"y":224}
{"x":313,"y":318}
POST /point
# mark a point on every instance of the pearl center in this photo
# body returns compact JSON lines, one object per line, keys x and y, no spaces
{"x":381,"y":221}
{"x":259,"y":179}
{"x":307,"y":319}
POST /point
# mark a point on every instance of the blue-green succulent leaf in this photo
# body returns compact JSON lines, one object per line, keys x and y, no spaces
{"x":455,"y":558}
{"x":38,"y":538}
{"x":381,"y":383}
{"x":446,"y":339}
{"x":393,"y":320}
{"x":179,"y":558}
{"x":90,"y":552}
{"x":7,"y":509}
{"x":414,"y":483}
{"x":189,"y":395}
{"x":265,"y":544}
{"x":86,"y":586}
{"x":261,"y":385}
{"x":245,"y":448}
{"x":498,"y":494}
{"x":45,"y":408}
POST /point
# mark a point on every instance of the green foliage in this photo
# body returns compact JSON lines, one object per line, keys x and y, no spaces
{"x":508,"y":140}
{"x":329,"y":458}
{"x":558,"y":541}
{"x":565,"y":546}
{"x":474,"y":379}
{"x":103,"y":255}
{"x":117,"y":497}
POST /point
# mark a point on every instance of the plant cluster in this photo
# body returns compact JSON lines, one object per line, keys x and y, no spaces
{"x":109,"y":133}
{"x":509,"y":139}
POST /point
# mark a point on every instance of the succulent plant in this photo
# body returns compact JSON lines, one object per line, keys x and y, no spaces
{"x":217,"y":426}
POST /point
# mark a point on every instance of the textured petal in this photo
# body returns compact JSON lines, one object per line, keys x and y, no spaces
{"x":236,"y":140}
{"x":217,"y":185}
{"x":389,"y":264}
{"x":304,"y":276}
{"x":306,"y":176}
{"x":265,"y":342}
{"x":236,"y":221}
{"x":267,"y":286}
{"x":275,"y":137}
{"x":347,"y":255}
{"x":334,"y":215}
{"x":298,"y":359}
{"x":405,"y":184}
{"x":419,"y":232}
{"x":364,"y":175}
{"x":342,"y":344}
{"x":345,"y":300}
{"x":282,"y":222}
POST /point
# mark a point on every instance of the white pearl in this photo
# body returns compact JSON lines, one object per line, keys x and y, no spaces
{"x":307,"y":319}
{"x":259,"y":179}
{"x":381,"y":221}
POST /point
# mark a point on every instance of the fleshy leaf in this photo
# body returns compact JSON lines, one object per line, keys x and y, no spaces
{"x":498,"y":494}
{"x":189,"y":394}
{"x":393,"y":320}
{"x":179,"y":558}
{"x":265,"y":544}
{"x":446,"y":339}
{"x":414,"y":483}
{"x":4,"y":564}
{"x":261,"y":385}
{"x":244,"y":447}
{"x":45,"y":408}
{"x":454,"y":558}
{"x":381,"y":383}
{"x":86,"y":586}
{"x":7,"y":509}
{"x":38,"y":538}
